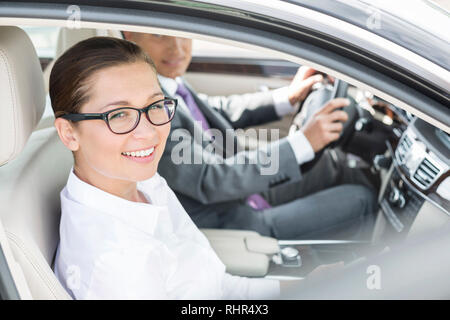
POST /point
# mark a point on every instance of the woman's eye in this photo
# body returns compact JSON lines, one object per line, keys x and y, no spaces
{"x":118,"y":115}
{"x":157,"y":106}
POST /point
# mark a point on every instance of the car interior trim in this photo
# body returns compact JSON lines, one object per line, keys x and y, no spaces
{"x":343,"y":67}
{"x":272,"y":17}
{"x":339,"y":29}
{"x":411,"y":184}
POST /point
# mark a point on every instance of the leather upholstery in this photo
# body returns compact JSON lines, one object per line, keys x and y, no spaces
{"x":22,"y":93}
{"x":244,"y":253}
{"x":33,"y":172}
{"x":30,"y":210}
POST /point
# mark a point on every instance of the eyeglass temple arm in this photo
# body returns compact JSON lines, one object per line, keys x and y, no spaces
{"x":82,"y":116}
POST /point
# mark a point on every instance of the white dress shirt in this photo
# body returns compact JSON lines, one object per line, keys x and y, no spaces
{"x":300,"y":145}
{"x":112,"y":248}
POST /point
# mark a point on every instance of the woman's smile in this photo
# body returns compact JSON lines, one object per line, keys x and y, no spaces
{"x":142,"y":155}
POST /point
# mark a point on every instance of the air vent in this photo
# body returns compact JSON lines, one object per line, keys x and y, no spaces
{"x":426,"y":174}
{"x":403,"y":147}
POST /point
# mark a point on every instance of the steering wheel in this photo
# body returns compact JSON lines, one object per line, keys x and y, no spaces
{"x":322,"y":93}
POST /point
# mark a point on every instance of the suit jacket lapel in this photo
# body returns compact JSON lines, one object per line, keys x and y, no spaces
{"x":217,"y":121}
{"x":214,"y":118}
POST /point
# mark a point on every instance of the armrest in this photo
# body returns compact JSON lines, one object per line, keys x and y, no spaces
{"x":244,"y":253}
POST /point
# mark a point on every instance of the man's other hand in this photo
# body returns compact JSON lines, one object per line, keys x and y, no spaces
{"x":325,"y":125}
{"x":302,"y":83}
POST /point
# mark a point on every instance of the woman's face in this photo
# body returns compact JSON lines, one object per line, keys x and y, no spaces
{"x":100,"y":152}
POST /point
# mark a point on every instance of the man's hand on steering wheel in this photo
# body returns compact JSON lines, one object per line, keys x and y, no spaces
{"x":301,"y":85}
{"x":325,"y":125}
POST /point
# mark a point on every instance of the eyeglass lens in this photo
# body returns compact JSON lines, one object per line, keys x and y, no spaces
{"x":125,"y":119}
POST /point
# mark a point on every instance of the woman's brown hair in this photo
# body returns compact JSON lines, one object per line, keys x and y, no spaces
{"x":71,"y":71}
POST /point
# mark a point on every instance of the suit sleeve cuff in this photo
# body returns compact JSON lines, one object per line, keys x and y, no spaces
{"x":302,"y":148}
{"x":281,"y":102}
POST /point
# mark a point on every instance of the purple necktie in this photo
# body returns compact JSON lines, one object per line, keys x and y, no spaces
{"x":183,"y":92}
{"x":255,"y":201}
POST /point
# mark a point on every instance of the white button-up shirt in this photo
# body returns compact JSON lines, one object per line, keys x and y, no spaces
{"x":112,"y":248}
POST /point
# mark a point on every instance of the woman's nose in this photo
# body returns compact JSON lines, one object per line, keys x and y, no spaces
{"x":144,"y":128}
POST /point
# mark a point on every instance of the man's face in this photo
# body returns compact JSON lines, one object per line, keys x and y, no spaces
{"x":171,"y":55}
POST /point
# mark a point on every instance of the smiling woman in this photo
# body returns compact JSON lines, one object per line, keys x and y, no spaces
{"x":115,"y":70}
{"x":123,"y":233}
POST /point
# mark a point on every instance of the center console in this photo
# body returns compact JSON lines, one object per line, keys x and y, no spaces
{"x":400,"y":203}
{"x":246,"y":253}
{"x":418,"y":167}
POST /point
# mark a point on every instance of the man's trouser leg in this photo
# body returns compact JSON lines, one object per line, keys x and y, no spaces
{"x":342,"y":212}
{"x":325,"y":174}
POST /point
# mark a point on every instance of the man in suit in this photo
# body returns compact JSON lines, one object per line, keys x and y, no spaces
{"x":226,"y":188}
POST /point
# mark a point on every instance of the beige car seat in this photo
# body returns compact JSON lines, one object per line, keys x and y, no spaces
{"x":29,"y":185}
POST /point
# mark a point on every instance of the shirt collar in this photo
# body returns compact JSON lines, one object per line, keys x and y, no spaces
{"x":170,"y":85}
{"x":142,"y":216}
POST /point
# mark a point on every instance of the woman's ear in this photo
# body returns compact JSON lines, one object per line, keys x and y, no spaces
{"x":67,"y":133}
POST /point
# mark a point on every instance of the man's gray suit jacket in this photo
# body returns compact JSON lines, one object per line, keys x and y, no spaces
{"x":219,"y":183}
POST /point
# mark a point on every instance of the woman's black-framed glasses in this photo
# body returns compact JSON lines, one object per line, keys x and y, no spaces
{"x":125,"y":119}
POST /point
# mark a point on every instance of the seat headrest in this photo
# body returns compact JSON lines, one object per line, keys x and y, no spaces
{"x":22,"y":92}
{"x":68,"y":37}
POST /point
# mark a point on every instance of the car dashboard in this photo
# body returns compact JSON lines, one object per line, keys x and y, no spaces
{"x":418,"y":178}
{"x":411,"y":159}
